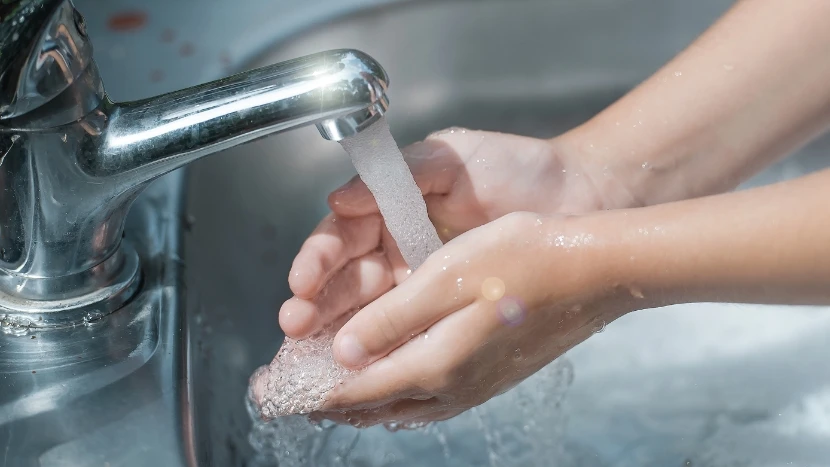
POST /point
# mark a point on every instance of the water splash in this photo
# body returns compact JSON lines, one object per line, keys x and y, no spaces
{"x":524,"y":426}
{"x":298,"y":380}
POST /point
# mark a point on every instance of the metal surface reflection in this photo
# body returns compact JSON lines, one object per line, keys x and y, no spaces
{"x":76,"y":161}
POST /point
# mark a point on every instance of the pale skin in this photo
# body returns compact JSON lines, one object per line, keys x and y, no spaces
{"x":627,"y":212}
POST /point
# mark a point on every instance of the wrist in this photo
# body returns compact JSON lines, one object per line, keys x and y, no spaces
{"x":606,"y":276}
{"x":633,"y":262}
{"x":587,"y":171}
{"x":631,"y":173}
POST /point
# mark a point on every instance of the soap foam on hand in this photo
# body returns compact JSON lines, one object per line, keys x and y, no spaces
{"x":302,"y":374}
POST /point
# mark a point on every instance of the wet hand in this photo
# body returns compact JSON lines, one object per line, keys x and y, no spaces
{"x":344,"y":264}
{"x":468,"y":178}
{"x":488,"y":310}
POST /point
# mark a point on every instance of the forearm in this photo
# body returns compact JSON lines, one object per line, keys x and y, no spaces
{"x":766,"y":245}
{"x":751,"y":89}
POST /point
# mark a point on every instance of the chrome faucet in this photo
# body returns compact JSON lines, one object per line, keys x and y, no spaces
{"x":72,"y":161}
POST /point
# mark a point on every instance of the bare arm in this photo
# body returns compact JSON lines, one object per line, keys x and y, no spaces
{"x":751,"y":89}
{"x":766,"y":245}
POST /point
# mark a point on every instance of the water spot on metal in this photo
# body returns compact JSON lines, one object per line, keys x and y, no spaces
{"x":127,"y":21}
{"x":225,"y":60}
{"x":168,"y":36}
{"x":187,"y":49}
{"x":156,"y":76}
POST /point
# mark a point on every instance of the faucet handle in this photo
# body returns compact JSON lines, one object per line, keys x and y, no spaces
{"x":44,"y":50}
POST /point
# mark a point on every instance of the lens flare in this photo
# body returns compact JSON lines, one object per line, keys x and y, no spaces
{"x":511,"y":311}
{"x":492,"y":289}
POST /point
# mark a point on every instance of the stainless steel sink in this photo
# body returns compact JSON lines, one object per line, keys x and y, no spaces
{"x":695,"y":385}
{"x":162,"y":381}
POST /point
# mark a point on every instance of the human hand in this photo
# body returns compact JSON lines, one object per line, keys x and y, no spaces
{"x":468,"y":178}
{"x":496,"y":305}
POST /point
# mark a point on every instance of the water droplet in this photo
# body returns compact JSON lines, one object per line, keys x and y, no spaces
{"x":646,"y":165}
{"x":92,"y":317}
{"x":678,"y":73}
{"x":14,"y":326}
{"x":636,"y":292}
{"x":600,"y":328}
{"x":517,"y":354}
{"x":538,"y":221}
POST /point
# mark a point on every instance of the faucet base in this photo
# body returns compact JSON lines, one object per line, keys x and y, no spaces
{"x":103,"y":289}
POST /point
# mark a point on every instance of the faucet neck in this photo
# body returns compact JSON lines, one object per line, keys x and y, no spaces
{"x":72,"y":162}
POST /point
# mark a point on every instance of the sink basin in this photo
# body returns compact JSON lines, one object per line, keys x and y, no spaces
{"x":693,"y":385}
{"x":162,"y":381}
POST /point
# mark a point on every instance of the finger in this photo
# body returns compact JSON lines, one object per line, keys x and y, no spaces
{"x":334,"y":242}
{"x":427,"y":296}
{"x":358,"y":283}
{"x":400,"y":270}
{"x":414,"y":370}
{"x":381,"y":383}
{"x":434,"y":164}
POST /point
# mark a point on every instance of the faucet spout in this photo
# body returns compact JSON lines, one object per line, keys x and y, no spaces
{"x":341,"y":91}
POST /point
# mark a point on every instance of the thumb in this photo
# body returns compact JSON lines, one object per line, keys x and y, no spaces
{"x":434,"y":163}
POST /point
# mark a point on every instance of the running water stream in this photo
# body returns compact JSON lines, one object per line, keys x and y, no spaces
{"x":509,"y":428}
{"x":382,"y":168}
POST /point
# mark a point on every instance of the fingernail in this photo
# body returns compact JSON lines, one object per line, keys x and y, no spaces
{"x":351,"y":351}
{"x":348,"y":185}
